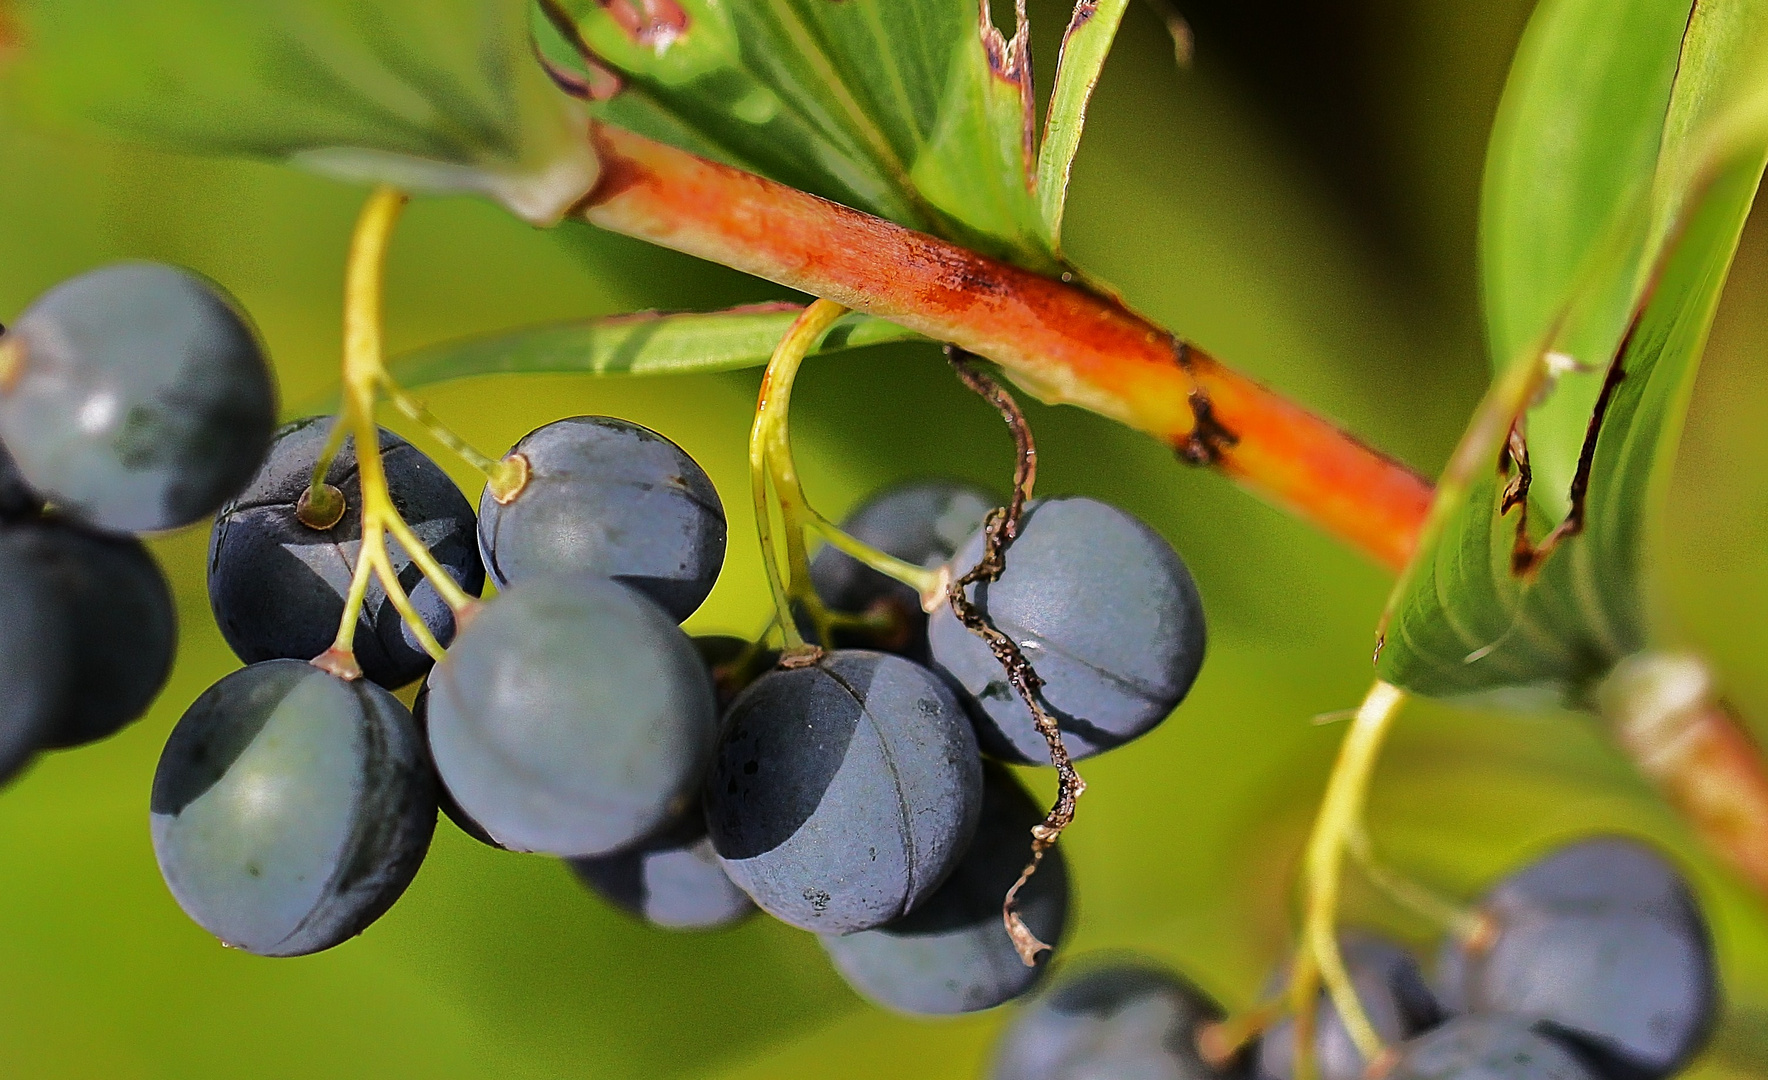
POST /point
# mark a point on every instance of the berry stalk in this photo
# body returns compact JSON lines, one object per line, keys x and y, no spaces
{"x":1340,"y":820}
{"x":1420,"y":900}
{"x":364,"y":376}
{"x":772,"y":471}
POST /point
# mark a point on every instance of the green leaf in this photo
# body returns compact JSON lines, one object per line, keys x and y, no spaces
{"x":918,"y":112}
{"x":427,"y":94}
{"x":1085,"y":45}
{"x":1466,"y":617}
{"x":1574,"y":147}
{"x":648,"y":343}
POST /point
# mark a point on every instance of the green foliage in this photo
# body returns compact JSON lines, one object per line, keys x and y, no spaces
{"x":427,"y":94}
{"x":1576,"y":142}
{"x":1084,"y":48}
{"x":497,"y":965}
{"x":918,"y":112}
{"x":648,"y":343}
{"x":1612,"y":211}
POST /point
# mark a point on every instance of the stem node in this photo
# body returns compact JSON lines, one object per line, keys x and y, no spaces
{"x":339,"y":662}
{"x":320,"y":507}
{"x":508,"y":478}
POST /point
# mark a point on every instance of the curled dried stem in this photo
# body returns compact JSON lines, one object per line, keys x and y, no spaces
{"x":999,"y":532}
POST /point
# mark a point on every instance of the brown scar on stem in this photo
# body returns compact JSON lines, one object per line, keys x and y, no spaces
{"x":1209,"y":437}
{"x":1526,"y":557}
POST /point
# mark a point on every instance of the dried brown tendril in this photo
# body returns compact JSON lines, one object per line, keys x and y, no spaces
{"x":999,"y":531}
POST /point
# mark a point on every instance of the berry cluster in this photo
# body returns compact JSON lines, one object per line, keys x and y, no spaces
{"x":1593,"y":963}
{"x":844,"y":793}
{"x":858,"y":789}
{"x":134,"y":398}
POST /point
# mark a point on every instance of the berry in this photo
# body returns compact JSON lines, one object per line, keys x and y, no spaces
{"x":139,"y":398}
{"x":17,"y":500}
{"x":922,"y":522}
{"x":571,"y":717}
{"x":420,"y":712}
{"x":277,"y":585}
{"x":119,"y":612}
{"x":1488,"y":1048}
{"x":1394,"y":997}
{"x":672,"y":879}
{"x":1603,"y":941}
{"x":952,"y":953}
{"x":36,"y":657}
{"x":291,"y":808}
{"x":611,"y":498}
{"x":1102,"y":607}
{"x":844,"y":792}
{"x":1128,"y":1018}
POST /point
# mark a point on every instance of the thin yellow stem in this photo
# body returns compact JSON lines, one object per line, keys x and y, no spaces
{"x":364,"y":275}
{"x":506,"y":477}
{"x":334,"y":441}
{"x":770,"y":462}
{"x":1304,"y":989}
{"x":918,"y":578}
{"x":364,"y":377}
{"x":1422,"y":901}
{"x":345,"y":642}
{"x":773,"y":468}
{"x":1341,"y":812}
{"x":798,"y":584}
{"x":457,"y":598}
{"x":401,"y":600}
{"x":758,"y":485}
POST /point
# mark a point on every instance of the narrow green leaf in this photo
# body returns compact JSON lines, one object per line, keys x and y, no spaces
{"x":1574,"y":147}
{"x":648,"y":343}
{"x":1085,"y":45}
{"x":918,"y":112}
{"x":427,"y":94}
{"x":1468,"y":616}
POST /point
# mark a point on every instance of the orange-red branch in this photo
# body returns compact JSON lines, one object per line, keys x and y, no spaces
{"x":1059,"y":341}
{"x":1067,"y":344}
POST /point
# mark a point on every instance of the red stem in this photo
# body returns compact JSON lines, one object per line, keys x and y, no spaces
{"x":1059,"y":341}
{"x":1069,"y":345}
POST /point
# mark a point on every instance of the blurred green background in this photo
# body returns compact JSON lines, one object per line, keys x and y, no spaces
{"x":1300,"y":202}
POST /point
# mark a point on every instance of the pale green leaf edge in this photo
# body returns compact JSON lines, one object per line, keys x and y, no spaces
{"x":432,"y":97}
{"x":1085,"y":46}
{"x":646,"y":343}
